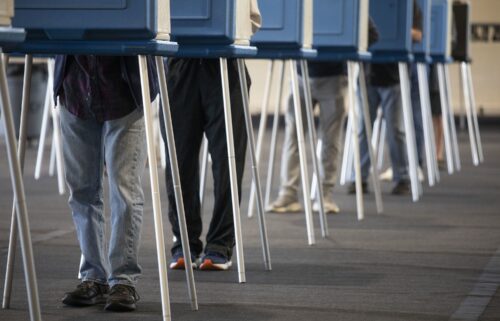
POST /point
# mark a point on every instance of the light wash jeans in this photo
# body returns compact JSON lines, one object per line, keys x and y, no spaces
{"x":389,"y":98}
{"x":120,"y":145}
{"x":329,"y":94}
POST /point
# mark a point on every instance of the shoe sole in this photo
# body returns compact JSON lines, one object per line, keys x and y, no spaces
{"x":293,"y":208}
{"x":208,"y":265}
{"x":180,"y":264}
{"x":120,"y":307}
{"x":72,"y":302}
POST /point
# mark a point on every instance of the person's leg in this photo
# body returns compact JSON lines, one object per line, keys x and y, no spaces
{"x":187,"y":119}
{"x":84,"y":160}
{"x":393,"y":114}
{"x":330,"y":92}
{"x":220,"y":236}
{"x":125,"y":154}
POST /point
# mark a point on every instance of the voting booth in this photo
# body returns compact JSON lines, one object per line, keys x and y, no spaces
{"x":421,"y":50}
{"x":460,"y":50}
{"x":340,"y":28}
{"x":287,"y":28}
{"x":212,"y":28}
{"x":441,"y":30}
{"x":394,"y":20}
{"x":93,"y":19}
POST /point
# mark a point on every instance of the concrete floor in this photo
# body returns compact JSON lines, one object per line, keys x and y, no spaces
{"x":429,"y":260}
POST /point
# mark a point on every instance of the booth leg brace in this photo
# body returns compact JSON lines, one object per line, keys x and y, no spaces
{"x":20,"y":200}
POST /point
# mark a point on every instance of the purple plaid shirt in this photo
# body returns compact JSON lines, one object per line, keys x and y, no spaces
{"x":94,"y":87}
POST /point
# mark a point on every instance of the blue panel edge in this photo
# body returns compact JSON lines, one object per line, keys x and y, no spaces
{"x":286,"y":53}
{"x":9,"y":36}
{"x":391,"y":57}
{"x":216,"y":51}
{"x":73,"y":47}
{"x":339,"y":55}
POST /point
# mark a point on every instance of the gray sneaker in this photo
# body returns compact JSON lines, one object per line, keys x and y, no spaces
{"x":285,"y":204}
{"x":329,"y":206}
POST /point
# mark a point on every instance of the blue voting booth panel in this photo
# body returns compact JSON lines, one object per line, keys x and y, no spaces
{"x":285,"y":23}
{"x":394,"y":19}
{"x":441,"y":28}
{"x":211,"y":21}
{"x":339,"y":24}
{"x":423,"y":48}
{"x":93,"y":19}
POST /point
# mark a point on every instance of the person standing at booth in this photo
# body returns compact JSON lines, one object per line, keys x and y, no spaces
{"x":328,"y":89}
{"x":103,"y":128}
{"x":196,"y":103}
{"x":384,"y":90}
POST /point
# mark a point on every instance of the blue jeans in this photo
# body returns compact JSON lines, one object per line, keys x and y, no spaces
{"x":389,"y":98}
{"x":120,"y":145}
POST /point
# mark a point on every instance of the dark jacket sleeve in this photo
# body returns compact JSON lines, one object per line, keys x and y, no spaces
{"x":373,"y":35}
{"x":59,"y":73}
{"x":130,"y":69}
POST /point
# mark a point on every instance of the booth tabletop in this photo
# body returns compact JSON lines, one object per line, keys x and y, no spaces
{"x":94,"y":47}
{"x":286,"y":53}
{"x":215,"y":51}
{"x":10,"y":36}
{"x":337,"y":55}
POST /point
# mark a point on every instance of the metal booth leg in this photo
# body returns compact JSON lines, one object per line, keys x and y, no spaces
{"x":368,"y":129}
{"x":313,"y":141}
{"x":302,"y":153}
{"x":354,"y":116}
{"x":45,"y":122}
{"x":274,"y":135}
{"x":445,"y":119}
{"x":203,"y":172}
{"x":347,"y":155}
{"x":255,"y":170}
{"x":456,"y":154}
{"x":430,"y":150}
{"x":262,"y":129}
{"x":474,"y":113}
{"x":19,"y":197}
{"x":468,"y":109}
{"x":23,"y":130}
{"x":176,"y":181}
{"x":411,"y":144}
{"x":155,"y":189}
{"x":232,"y":170}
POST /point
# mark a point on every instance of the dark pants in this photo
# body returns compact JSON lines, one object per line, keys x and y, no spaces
{"x":196,"y":103}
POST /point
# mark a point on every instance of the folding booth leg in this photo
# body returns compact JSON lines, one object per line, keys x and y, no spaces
{"x":430,"y":151}
{"x":203,"y":172}
{"x":368,"y":129}
{"x":43,"y":129}
{"x":456,"y":154}
{"x":445,"y":119}
{"x":313,"y":141}
{"x":377,"y":126}
{"x":58,"y":149}
{"x":23,"y":131}
{"x":474,"y":113}
{"x":314,"y":191}
{"x":302,"y":152}
{"x":176,"y":181}
{"x":52,"y":160}
{"x":262,"y":129}
{"x":19,"y":197}
{"x":354,"y":116}
{"x":468,"y":109}
{"x":381,"y":143}
{"x":274,"y":136}
{"x":155,"y":189}
{"x":232,"y":170}
{"x":409,"y":131}
{"x":346,"y":169}
{"x":255,"y":169}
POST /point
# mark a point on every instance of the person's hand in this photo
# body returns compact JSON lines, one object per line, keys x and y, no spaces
{"x":416,"y":35}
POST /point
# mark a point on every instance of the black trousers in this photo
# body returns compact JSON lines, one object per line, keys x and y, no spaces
{"x":195,"y":92}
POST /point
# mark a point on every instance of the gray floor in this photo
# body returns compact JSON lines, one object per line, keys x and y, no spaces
{"x":422,"y":261}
